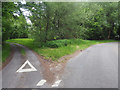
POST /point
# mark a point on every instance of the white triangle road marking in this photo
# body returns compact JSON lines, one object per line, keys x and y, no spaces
{"x":27,"y":70}
{"x":56,"y":84}
{"x":42,"y":82}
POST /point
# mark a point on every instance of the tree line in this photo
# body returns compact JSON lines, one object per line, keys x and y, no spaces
{"x":62,"y":20}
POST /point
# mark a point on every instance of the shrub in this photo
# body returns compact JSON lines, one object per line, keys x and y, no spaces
{"x":58,"y":43}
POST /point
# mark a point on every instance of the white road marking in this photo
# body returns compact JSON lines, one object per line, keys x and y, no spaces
{"x":42,"y":82}
{"x":56,"y":84}
{"x":27,"y":70}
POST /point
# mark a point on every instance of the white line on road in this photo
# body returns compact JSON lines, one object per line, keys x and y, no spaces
{"x":42,"y":82}
{"x":56,"y":84}
{"x":26,"y":70}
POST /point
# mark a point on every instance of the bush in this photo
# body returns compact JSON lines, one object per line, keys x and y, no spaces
{"x":58,"y":43}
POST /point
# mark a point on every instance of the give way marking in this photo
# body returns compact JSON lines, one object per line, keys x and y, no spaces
{"x":56,"y":84}
{"x":42,"y":82}
{"x":32,"y":68}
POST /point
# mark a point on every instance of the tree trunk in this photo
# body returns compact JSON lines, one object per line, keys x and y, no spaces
{"x":47,"y":26}
{"x":109,"y":33}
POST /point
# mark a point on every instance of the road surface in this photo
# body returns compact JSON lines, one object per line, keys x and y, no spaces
{"x":13,"y":79}
{"x":95,"y":67}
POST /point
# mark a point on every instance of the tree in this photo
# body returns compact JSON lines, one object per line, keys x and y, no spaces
{"x":61,"y":20}
{"x":12,"y":26}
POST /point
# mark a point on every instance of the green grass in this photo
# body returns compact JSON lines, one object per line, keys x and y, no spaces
{"x":58,"y":48}
{"x":5,"y":52}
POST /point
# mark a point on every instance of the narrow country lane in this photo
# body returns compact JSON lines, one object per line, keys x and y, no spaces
{"x":13,"y":79}
{"x":95,"y":67}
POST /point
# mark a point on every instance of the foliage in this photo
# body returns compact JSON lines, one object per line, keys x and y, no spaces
{"x":12,"y":26}
{"x":56,"y":53}
{"x":5,"y":52}
{"x":61,"y":20}
{"x":94,"y":21}
{"x":59,"y":27}
{"x":58,"y":43}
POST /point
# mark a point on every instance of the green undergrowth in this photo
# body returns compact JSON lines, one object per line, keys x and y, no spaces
{"x":5,"y":51}
{"x":57,"y":48}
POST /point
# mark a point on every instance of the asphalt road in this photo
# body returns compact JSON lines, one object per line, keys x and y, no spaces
{"x":95,"y":67}
{"x":13,"y":79}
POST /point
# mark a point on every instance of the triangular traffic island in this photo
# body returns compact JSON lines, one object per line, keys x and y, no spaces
{"x":23,"y":69}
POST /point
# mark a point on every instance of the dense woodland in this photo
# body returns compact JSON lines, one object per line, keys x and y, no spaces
{"x":61,"y":20}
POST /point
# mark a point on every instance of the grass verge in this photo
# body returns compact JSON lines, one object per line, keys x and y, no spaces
{"x":55,"y":49}
{"x":5,"y":52}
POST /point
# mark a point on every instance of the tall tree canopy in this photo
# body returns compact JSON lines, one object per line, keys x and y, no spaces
{"x":74,"y":20}
{"x":13,"y":25}
{"x":62,"y":20}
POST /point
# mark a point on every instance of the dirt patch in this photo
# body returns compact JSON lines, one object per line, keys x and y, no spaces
{"x":9,"y":58}
{"x":47,"y":74}
{"x":52,"y":70}
{"x":67,"y":57}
